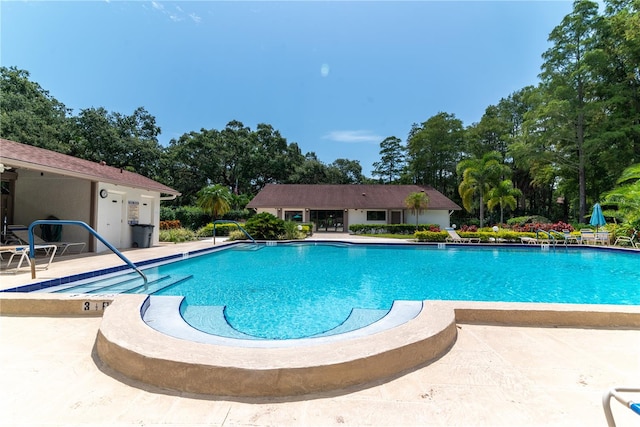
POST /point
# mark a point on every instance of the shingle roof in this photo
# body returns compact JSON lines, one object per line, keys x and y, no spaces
{"x":29,"y":157}
{"x":322,"y":196}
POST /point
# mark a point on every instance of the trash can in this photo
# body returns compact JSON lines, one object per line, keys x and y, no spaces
{"x":141,"y":235}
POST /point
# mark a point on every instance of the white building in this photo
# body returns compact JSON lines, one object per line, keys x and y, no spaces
{"x":335,"y":207}
{"x":38,"y":184}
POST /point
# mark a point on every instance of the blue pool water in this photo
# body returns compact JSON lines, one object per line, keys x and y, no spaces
{"x":300,"y":290}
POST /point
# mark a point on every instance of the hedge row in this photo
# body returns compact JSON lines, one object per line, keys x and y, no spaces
{"x":391,"y":228}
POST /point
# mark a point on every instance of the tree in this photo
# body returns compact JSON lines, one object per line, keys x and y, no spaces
{"x":311,"y":171}
{"x":626,"y":197}
{"x":503,"y":195}
{"x":479,"y":176}
{"x":30,"y":115}
{"x":345,"y":171}
{"x":569,"y":82}
{"x":392,"y":160}
{"x":127,"y":142}
{"x":417,"y":202}
{"x":215,"y":199}
{"x":434,"y":148}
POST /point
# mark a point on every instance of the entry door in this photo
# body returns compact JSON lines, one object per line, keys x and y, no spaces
{"x":396,"y":217}
{"x":113,"y":220}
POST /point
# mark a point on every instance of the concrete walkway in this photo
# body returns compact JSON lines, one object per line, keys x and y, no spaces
{"x":493,"y":376}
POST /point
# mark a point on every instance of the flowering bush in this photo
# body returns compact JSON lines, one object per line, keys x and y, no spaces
{"x":533,"y":227}
{"x":170,"y":225}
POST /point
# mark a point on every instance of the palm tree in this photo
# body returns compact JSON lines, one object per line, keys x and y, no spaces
{"x":503,"y":195}
{"x":215,"y":199}
{"x":626,"y":197}
{"x":478,"y":177}
{"x":417,"y":202}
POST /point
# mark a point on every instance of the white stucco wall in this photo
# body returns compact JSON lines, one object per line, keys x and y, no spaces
{"x":439,"y":217}
{"x":359,"y":216}
{"x":122,"y":206}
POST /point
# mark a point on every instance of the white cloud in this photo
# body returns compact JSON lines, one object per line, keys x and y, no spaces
{"x":354,"y":136}
{"x":176,"y":15}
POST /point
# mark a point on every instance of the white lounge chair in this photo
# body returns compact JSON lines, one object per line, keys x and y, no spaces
{"x":627,"y":239}
{"x":23,"y":235}
{"x":23,"y":253}
{"x":455,"y":237}
{"x":618,"y":394}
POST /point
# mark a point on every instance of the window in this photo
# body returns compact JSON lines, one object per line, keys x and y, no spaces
{"x":376,"y":215}
{"x":293,"y":216}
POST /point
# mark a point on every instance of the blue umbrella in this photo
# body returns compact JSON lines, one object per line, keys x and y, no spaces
{"x":597,"y":218}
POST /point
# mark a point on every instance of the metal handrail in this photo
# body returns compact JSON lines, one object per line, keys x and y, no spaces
{"x":91,"y":230}
{"x":218,"y":221}
{"x":549,"y":235}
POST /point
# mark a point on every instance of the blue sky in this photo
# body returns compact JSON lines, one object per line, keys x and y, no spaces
{"x":336,"y":77}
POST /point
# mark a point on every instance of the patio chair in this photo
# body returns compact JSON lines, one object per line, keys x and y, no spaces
{"x":587,"y":236}
{"x":627,"y":239}
{"x":23,"y":235}
{"x":617,"y":394}
{"x":455,"y":238}
{"x":23,"y":253}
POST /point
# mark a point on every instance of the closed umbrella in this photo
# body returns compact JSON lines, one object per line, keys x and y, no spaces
{"x":597,"y":218}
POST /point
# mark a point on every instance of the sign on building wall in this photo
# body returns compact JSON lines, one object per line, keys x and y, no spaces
{"x":133,"y":212}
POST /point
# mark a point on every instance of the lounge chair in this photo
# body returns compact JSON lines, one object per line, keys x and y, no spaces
{"x":23,"y":253}
{"x":23,"y":235}
{"x":455,"y":238}
{"x":627,"y":239}
{"x":617,"y":394}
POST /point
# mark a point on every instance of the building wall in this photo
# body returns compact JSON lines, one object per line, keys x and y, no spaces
{"x":37,"y":196}
{"x":122,"y":208}
{"x":440,"y":217}
{"x":359,"y":216}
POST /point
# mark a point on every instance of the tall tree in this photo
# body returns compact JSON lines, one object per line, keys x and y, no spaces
{"x":392,"y":160}
{"x":434,"y":148}
{"x":569,"y":81}
{"x":345,"y":171}
{"x":30,"y":115}
{"x":127,"y":142}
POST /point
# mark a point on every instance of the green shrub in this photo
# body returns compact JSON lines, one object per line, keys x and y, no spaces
{"x":291,"y":231}
{"x":430,"y":236}
{"x":177,"y":235}
{"x":167,"y":213}
{"x":265,"y":226}
{"x":222,"y":229}
{"x":236,"y":235}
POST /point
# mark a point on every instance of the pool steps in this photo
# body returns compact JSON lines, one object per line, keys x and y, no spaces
{"x":212,"y":320}
{"x":162,"y":313}
{"x":120,"y":284}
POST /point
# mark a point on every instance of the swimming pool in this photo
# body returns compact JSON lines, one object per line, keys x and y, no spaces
{"x":299,"y":290}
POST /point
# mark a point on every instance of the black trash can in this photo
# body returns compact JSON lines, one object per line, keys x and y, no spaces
{"x":141,"y":235}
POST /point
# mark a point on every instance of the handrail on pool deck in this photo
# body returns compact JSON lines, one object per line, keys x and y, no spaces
{"x":91,"y":230}
{"x":233,"y":222}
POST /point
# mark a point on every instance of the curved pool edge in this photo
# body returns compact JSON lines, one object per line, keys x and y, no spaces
{"x":163,"y":314}
{"x":128,"y":345}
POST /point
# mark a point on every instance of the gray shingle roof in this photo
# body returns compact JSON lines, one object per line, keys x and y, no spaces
{"x":29,"y":157}
{"x":322,"y":196}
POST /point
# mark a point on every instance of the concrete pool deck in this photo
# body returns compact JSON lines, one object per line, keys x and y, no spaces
{"x":493,"y":375}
